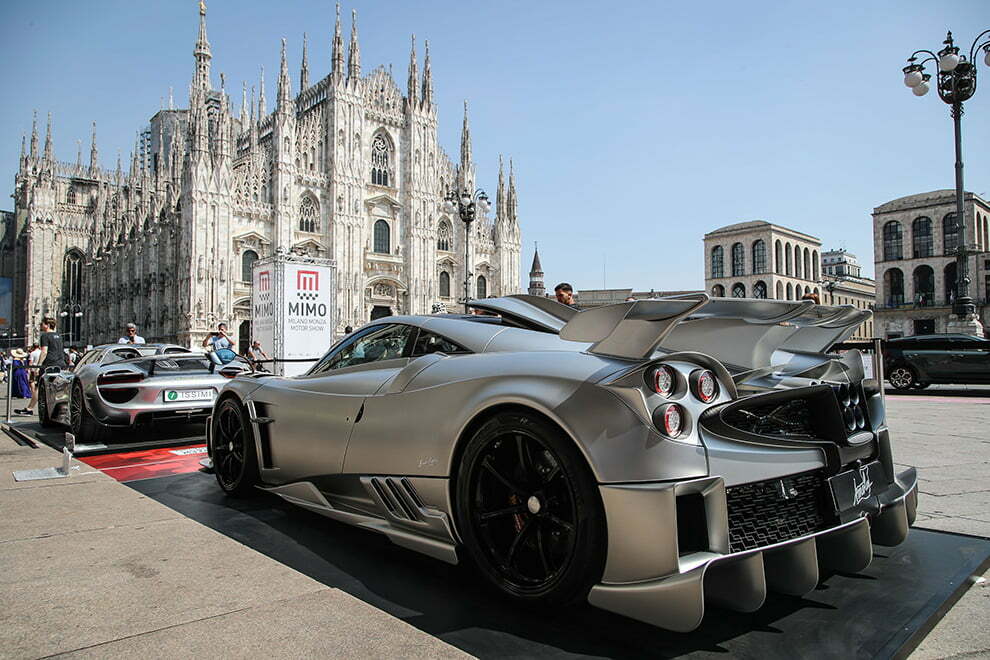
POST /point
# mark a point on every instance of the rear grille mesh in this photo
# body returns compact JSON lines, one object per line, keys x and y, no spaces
{"x":759,"y":514}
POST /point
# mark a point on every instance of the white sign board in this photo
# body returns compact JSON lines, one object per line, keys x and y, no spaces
{"x":293,"y":310}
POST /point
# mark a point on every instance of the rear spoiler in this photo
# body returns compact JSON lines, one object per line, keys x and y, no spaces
{"x":741,"y":332}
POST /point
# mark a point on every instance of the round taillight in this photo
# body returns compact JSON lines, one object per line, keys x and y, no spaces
{"x":860,"y":418}
{"x":849,"y":417}
{"x":843,"y":394}
{"x":663,"y":380}
{"x":671,"y":420}
{"x":704,"y":385}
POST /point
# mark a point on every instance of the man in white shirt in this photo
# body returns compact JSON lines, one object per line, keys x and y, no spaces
{"x":130,"y":335}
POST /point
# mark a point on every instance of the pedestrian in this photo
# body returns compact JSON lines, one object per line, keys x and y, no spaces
{"x":565,"y":294}
{"x":21,"y":384}
{"x":255,"y":353}
{"x":221,"y":344}
{"x":130,"y":335}
{"x":813,"y":297}
{"x":348,"y":329}
{"x":51,"y":357}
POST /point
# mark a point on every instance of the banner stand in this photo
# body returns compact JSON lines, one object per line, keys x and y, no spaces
{"x":294,"y":307}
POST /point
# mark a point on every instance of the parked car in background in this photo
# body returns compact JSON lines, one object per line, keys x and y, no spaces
{"x":921,"y":360}
{"x":126,"y":385}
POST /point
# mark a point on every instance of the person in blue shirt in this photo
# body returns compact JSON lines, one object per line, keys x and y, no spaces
{"x":221,"y":344}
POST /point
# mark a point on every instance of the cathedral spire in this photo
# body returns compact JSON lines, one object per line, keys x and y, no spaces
{"x":244,"y":103}
{"x":262,"y":105}
{"x":252,"y":106}
{"x":284,"y":85}
{"x":79,"y":153}
{"x":202,"y":53}
{"x":94,"y":154}
{"x":465,"y":141}
{"x":48,"y":139}
{"x":23,"y":147}
{"x":511,"y":197}
{"x":337,"y":53}
{"x":354,"y":50}
{"x":171,"y":100}
{"x":34,"y":136}
{"x":500,"y":210}
{"x":413,"y":82}
{"x":427,"y":77}
{"x":304,"y":69}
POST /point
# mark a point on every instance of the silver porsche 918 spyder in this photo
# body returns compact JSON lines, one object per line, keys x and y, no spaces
{"x":124,"y":385}
{"x":649,"y":457}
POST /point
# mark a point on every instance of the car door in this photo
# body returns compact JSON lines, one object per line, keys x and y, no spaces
{"x":970,"y":358}
{"x":314,"y":413}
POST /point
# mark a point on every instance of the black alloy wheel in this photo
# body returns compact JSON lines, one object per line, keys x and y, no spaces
{"x":529,"y":511}
{"x":84,"y":427}
{"x":902,"y":377}
{"x":233,"y":452}
{"x":44,"y":417}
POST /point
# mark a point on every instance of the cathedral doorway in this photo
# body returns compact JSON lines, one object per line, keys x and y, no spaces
{"x":244,"y":337}
{"x":380,"y":311}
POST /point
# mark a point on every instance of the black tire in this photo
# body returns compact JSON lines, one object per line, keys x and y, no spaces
{"x":902,"y":377}
{"x":44,"y":415}
{"x":86,"y":429}
{"x":529,"y":512}
{"x":235,"y":462}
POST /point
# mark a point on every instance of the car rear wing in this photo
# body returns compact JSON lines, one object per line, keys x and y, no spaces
{"x":740,"y":332}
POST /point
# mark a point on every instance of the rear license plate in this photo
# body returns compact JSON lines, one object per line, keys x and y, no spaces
{"x":856,"y":487}
{"x":176,"y":396}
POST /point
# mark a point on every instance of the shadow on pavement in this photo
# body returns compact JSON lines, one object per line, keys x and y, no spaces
{"x":872,"y":613}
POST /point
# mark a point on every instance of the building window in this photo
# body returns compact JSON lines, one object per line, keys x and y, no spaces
{"x":444,"y":284}
{"x":382,"y":237}
{"x":950,"y":234}
{"x":443,"y":236}
{"x":482,"y":291}
{"x":778,"y":264}
{"x":797,"y":261}
{"x":760,"y":289}
{"x":893,"y":248}
{"x":921,"y":238}
{"x":738,"y":290}
{"x":924,"y":286}
{"x":807,"y":264}
{"x":72,"y":290}
{"x":247,"y":264}
{"x":894,"y":281}
{"x":309,"y":215}
{"x":949,"y":278}
{"x":787,"y":260}
{"x":790,"y":290}
{"x":718,"y":291}
{"x":70,"y":195}
{"x":718,"y":268}
{"x":380,"y":159}
{"x":737,"y":260}
{"x":780,"y":291}
{"x":759,"y":257}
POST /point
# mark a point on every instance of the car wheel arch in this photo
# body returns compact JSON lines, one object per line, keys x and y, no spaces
{"x":479,"y":418}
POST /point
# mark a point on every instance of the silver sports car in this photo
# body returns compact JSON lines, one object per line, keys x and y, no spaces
{"x":649,"y":457}
{"x":125,"y":385}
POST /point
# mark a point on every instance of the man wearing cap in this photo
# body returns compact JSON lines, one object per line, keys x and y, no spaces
{"x":130,"y":335}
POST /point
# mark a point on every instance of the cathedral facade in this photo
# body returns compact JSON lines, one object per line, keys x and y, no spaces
{"x":349,"y":168}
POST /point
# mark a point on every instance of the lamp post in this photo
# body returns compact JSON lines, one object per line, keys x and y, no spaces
{"x":465,"y":205}
{"x":955,"y":84}
{"x":75,"y":312}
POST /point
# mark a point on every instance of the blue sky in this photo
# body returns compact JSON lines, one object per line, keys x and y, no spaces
{"x":635,"y":127}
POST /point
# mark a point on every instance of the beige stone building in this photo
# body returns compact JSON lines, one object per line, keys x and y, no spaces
{"x":844,"y":284}
{"x":915,"y":239}
{"x":761,"y":260}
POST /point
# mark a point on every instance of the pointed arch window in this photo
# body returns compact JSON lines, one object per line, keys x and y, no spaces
{"x":70,"y":195}
{"x":247,"y":265}
{"x":381,"y":161}
{"x":383,"y":237}
{"x":444,"y":284}
{"x":718,"y":267}
{"x":309,"y":215}
{"x":444,"y":241}
{"x":482,"y":290}
{"x":72,"y":291}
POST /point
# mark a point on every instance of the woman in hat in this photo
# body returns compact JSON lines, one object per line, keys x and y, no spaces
{"x":22,"y":389}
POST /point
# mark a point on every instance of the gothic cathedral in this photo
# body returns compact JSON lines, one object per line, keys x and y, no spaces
{"x":347,"y":169}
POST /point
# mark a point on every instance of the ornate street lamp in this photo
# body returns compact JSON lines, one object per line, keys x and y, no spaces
{"x":955,"y":84}
{"x":465,"y":205}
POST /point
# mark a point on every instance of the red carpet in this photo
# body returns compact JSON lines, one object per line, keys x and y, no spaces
{"x":150,"y":463}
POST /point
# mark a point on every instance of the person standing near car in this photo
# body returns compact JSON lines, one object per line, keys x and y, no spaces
{"x":130,"y":335}
{"x":565,"y":294}
{"x":51,"y":356}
